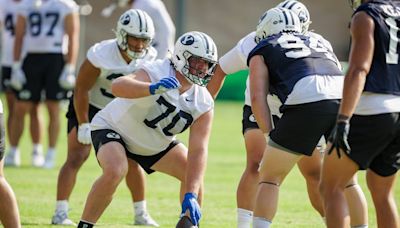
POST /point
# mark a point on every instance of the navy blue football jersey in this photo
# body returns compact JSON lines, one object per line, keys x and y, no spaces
{"x":384,"y":75}
{"x":291,"y":57}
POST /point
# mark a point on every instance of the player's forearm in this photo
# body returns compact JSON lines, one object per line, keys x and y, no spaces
{"x":196,"y":168}
{"x":353,"y":86}
{"x":81,"y":105}
{"x":18,"y":40}
{"x":128,"y":87}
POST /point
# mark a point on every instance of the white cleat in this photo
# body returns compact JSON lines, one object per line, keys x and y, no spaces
{"x":61,"y":218}
{"x":49,"y":161}
{"x":37,"y":159}
{"x":145,"y":219}
{"x":12,"y":159}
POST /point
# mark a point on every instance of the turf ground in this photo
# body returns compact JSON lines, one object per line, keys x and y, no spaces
{"x":36,"y":188}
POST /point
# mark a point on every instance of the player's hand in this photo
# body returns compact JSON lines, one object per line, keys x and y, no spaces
{"x":67,"y":77}
{"x":164,"y":85}
{"x":18,"y":78}
{"x":190,"y":203}
{"x":84,"y":136}
{"x":338,"y":138}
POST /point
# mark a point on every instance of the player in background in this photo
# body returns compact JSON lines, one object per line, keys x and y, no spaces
{"x":153,"y":105}
{"x":367,"y":131}
{"x":235,"y":60}
{"x":105,"y":61}
{"x":165,"y":29}
{"x":8,"y":17}
{"x":48,"y":31}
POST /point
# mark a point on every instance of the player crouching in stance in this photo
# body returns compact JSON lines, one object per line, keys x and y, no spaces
{"x":154,"y":104}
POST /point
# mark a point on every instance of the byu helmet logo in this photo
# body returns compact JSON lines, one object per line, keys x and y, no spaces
{"x":125,"y":19}
{"x":187,"y":40}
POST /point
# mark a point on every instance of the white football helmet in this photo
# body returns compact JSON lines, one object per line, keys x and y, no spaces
{"x":277,"y":20}
{"x":301,"y":10}
{"x":194,"y":45}
{"x":136,"y":23}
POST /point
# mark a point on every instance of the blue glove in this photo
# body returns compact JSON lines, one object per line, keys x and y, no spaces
{"x":164,"y":85}
{"x":338,"y":138}
{"x":190,"y":203}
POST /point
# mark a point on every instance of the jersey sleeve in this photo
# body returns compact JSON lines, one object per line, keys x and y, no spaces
{"x":235,"y":59}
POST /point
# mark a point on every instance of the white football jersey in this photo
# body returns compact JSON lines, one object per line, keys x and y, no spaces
{"x":149,"y":124}
{"x":45,"y":22}
{"x":108,"y":59}
{"x":8,"y":19}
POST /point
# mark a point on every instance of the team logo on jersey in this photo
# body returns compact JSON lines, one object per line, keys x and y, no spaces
{"x":188,"y":99}
{"x":113,"y":135}
{"x":187,"y":40}
{"x":126,"y":19}
{"x":252,"y":118}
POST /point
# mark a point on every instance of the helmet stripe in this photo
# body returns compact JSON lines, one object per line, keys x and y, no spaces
{"x":285,"y":4}
{"x":286,"y":18}
{"x":140,"y":20}
{"x":206,"y":41}
{"x":291,"y":6}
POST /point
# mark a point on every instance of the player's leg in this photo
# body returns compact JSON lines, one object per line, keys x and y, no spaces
{"x":382,"y":194}
{"x":53,"y":108}
{"x":246,"y":191}
{"x":136,"y":182}
{"x":36,"y":123}
{"x":275,"y":166}
{"x":13,"y":154}
{"x":310,"y":168}
{"x":357,"y":204}
{"x":114,"y":163}
{"x":54,"y":94}
{"x":20,"y":109}
{"x":336,"y":174}
{"x":247,"y":188}
{"x":9,"y":215}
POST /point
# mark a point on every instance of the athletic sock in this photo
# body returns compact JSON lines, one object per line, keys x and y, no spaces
{"x":244,"y":218}
{"x":259,"y":222}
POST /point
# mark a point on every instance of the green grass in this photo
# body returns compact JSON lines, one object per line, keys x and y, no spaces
{"x":36,"y":188}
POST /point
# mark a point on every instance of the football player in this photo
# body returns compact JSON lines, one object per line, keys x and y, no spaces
{"x":49,"y":64}
{"x":304,"y":75}
{"x":367,"y":131}
{"x":8,"y":18}
{"x":105,"y":62}
{"x":153,"y":105}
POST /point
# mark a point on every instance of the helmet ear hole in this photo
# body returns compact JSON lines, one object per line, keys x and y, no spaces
{"x":199,"y":45}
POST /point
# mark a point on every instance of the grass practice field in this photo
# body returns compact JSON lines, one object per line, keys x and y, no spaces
{"x":36,"y":188}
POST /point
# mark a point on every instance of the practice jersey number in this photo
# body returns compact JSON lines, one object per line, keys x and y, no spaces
{"x":36,"y":22}
{"x":106,"y":92}
{"x":170,"y":108}
{"x":299,"y":48}
{"x":9,"y":24}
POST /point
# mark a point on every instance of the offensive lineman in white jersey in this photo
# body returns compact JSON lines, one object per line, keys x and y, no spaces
{"x":235,"y":60}
{"x":105,"y":61}
{"x":153,"y":105}
{"x":8,"y":18}
{"x":48,"y":30}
